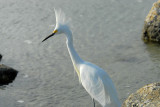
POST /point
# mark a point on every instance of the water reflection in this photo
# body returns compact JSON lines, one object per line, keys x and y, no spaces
{"x":154,"y":52}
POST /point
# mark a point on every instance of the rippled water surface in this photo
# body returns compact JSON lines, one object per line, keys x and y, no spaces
{"x":106,"y":33}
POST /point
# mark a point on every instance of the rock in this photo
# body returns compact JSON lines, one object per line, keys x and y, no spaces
{"x":7,"y":74}
{"x":151,"y":30}
{"x":147,"y":96}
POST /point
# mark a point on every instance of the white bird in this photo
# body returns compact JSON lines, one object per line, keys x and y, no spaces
{"x":94,"y":79}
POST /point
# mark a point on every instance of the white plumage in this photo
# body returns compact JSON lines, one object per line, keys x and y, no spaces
{"x":99,"y":85}
{"x":94,"y":79}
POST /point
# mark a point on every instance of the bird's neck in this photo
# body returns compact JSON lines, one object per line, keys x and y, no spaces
{"x":76,"y":60}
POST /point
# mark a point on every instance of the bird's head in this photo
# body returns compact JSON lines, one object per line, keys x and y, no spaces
{"x":61,"y":24}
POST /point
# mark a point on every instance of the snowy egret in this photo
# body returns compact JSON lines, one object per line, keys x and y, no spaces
{"x":94,"y":79}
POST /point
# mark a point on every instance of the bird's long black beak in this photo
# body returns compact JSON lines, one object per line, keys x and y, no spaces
{"x":48,"y":36}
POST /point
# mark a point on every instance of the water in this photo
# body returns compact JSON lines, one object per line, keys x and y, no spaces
{"x":106,"y":33}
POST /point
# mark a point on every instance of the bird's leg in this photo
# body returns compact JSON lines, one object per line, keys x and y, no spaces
{"x":93,"y":102}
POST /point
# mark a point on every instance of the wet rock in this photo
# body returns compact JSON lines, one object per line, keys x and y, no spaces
{"x":7,"y":74}
{"x":147,"y":96}
{"x":151,"y":30}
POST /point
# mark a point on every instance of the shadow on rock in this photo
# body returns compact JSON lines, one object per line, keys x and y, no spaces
{"x":0,"y":57}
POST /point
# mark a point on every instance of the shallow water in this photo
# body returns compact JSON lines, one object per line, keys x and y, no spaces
{"x":106,"y":33}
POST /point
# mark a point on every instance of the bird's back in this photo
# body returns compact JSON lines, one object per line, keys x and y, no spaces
{"x":99,"y":85}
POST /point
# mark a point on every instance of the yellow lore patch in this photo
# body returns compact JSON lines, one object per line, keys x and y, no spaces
{"x":55,"y":31}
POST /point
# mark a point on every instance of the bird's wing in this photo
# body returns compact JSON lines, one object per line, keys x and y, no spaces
{"x":110,"y":89}
{"x":92,"y":81}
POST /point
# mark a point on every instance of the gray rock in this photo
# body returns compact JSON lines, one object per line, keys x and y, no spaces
{"x":147,"y":96}
{"x":7,"y":74}
{"x":151,"y":30}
